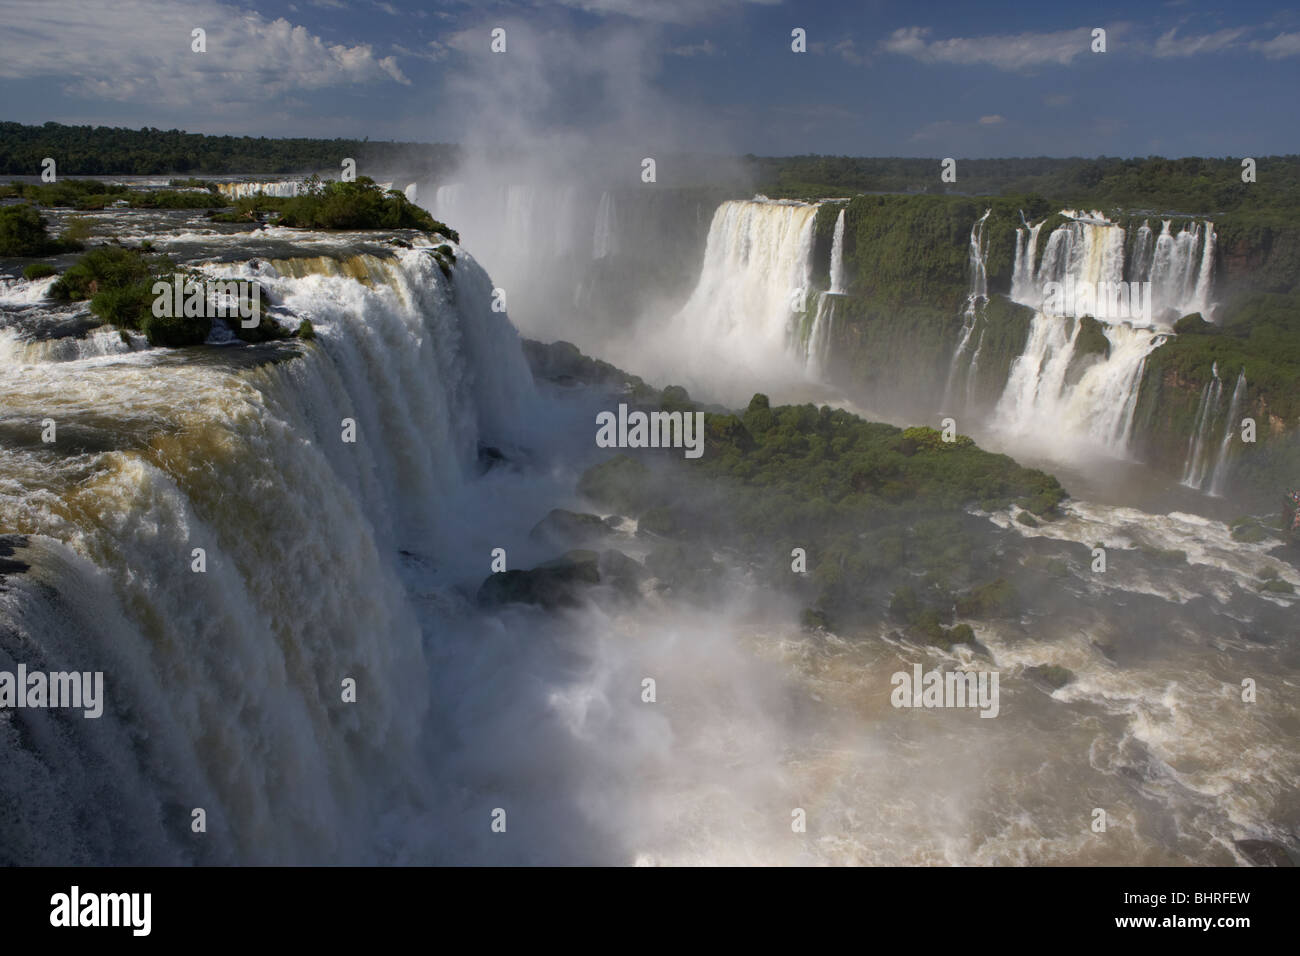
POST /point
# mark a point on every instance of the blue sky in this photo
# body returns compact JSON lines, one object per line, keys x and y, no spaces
{"x":972,"y":79}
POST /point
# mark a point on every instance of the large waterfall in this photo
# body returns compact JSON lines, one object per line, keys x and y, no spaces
{"x":223,"y":687}
{"x":748,"y":307}
{"x":1084,"y":400}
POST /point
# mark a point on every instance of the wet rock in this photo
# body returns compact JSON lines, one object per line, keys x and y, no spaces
{"x":622,"y":572}
{"x":568,"y":529}
{"x":1049,"y":677}
{"x":554,"y":584}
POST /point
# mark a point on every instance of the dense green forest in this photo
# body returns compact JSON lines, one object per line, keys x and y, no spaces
{"x":102,"y":150}
{"x":1192,"y":186}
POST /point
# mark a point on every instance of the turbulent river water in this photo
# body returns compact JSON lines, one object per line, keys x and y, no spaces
{"x":328,"y":561}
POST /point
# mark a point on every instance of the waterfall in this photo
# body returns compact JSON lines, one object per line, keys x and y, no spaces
{"x":819,"y":338}
{"x":1097,"y":410}
{"x":976,"y":298}
{"x":1219,"y":479}
{"x":1197,"y":466}
{"x":1205,"y":274}
{"x":1088,"y":400}
{"x":837,"y":255}
{"x":1181,"y":270}
{"x":1022,"y":273}
{"x":1143,"y":251}
{"x":604,"y":237}
{"x":747,"y":305}
{"x":283,"y":189}
{"x":222,"y":688}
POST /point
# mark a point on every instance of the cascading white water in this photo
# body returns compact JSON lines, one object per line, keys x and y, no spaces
{"x":280,"y":188}
{"x":757,"y":271}
{"x":1197,"y":466}
{"x":605,"y":236}
{"x":1022,"y":274}
{"x":1096,"y":411}
{"x":1143,"y":252}
{"x":223,"y":688}
{"x":976,"y":298}
{"x":819,"y":338}
{"x":837,"y":255}
{"x":1219,"y":479}
{"x":817,"y":347}
{"x":1082,"y":272}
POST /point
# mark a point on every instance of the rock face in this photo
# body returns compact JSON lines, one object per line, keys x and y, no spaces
{"x":569,"y":529}
{"x":554,"y":584}
{"x":621,"y":572}
{"x":562,"y":581}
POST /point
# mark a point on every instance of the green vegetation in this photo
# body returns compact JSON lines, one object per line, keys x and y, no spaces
{"x":1277,"y":586}
{"x":104,"y":267}
{"x":23,"y":233}
{"x":119,"y":284}
{"x":1259,"y":334}
{"x":75,"y":193}
{"x":1250,"y":530}
{"x":339,"y":205}
{"x":997,"y":598}
{"x":869,"y":503}
{"x":175,"y":199}
{"x":76,"y":229}
{"x":306,"y":331}
{"x":39,"y":270}
{"x":1193,"y":186}
{"x":101,"y":150}
{"x":1051,"y":676}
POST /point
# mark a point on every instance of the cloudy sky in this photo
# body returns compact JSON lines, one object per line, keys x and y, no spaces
{"x":885,"y":78}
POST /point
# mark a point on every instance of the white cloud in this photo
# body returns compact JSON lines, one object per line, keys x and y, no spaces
{"x":1014,"y":52}
{"x":992,"y":120}
{"x":140,"y":50}
{"x":1170,"y":44}
{"x":1282,"y":45}
{"x":848,"y":51}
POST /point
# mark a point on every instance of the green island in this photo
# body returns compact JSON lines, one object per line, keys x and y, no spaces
{"x":332,"y":204}
{"x":881,"y":513}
